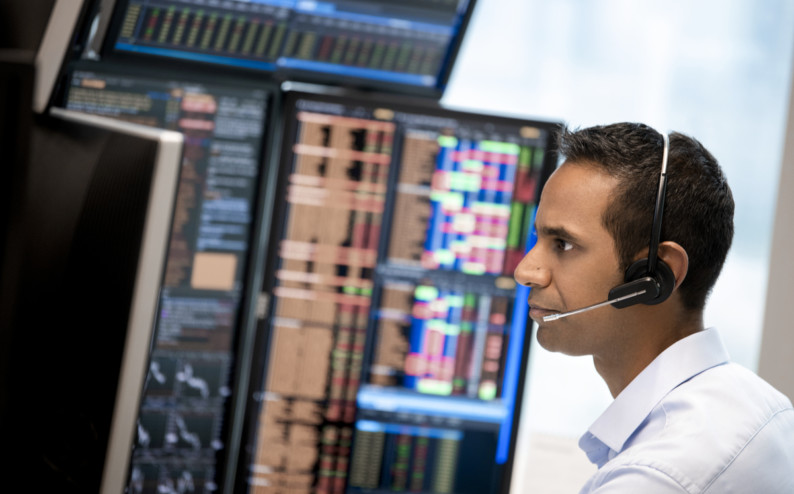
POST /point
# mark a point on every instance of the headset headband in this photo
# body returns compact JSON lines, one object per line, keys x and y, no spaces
{"x":656,"y":228}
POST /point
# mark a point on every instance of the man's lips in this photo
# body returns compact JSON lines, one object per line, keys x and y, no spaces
{"x":538,"y":312}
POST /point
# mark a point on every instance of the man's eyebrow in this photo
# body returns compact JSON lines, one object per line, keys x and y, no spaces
{"x":558,"y":232}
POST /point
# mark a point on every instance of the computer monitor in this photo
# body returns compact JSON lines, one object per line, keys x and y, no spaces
{"x":396,"y":343}
{"x":92,"y":229}
{"x":186,"y":431}
{"x":49,"y":28}
{"x":389,"y":45}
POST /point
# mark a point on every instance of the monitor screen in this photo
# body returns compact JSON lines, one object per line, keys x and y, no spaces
{"x":407,"y":45}
{"x":396,"y":343}
{"x":182,"y":421}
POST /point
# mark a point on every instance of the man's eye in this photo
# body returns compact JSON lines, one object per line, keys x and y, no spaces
{"x":563,"y":246}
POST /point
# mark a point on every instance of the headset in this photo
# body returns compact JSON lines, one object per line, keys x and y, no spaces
{"x":651,"y":274}
{"x":650,"y":280}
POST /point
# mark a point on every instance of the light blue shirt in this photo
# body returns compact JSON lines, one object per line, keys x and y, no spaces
{"x":692,"y":422}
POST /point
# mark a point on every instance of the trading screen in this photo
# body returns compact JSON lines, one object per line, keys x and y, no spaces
{"x":184,"y":405}
{"x":410,"y":43}
{"x":395,"y":346}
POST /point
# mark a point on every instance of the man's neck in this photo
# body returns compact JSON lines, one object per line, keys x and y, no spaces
{"x":619,"y":367}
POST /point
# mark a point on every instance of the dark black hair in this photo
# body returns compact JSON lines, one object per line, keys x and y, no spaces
{"x":698,"y":210}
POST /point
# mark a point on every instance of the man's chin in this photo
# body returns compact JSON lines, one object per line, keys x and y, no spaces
{"x":551,"y":340}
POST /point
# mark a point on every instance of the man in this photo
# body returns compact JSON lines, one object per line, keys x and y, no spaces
{"x":684,"y":419}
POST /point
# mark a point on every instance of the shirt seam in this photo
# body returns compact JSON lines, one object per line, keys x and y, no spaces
{"x":747,"y":443}
{"x":643,"y":464}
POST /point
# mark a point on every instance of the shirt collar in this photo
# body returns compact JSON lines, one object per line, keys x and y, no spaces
{"x":680,"y":362}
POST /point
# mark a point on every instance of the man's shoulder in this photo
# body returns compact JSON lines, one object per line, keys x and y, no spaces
{"x":721,"y":410}
{"x":715,"y":427}
{"x":730,"y":390}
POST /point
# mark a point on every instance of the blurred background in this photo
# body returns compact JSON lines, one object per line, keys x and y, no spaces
{"x":718,"y":71}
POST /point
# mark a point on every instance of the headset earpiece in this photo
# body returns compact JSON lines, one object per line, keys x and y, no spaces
{"x":658,"y":287}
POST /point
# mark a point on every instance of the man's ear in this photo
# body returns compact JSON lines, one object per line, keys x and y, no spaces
{"x":676,"y":257}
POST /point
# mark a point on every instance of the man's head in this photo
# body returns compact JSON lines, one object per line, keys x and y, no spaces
{"x":594,"y":220}
{"x":698,"y":212}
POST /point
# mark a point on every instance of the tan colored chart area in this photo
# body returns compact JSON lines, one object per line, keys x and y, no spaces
{"x":335,"y":196}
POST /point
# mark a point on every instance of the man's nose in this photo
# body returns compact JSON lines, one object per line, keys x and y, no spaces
{"x":531,"y":272}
